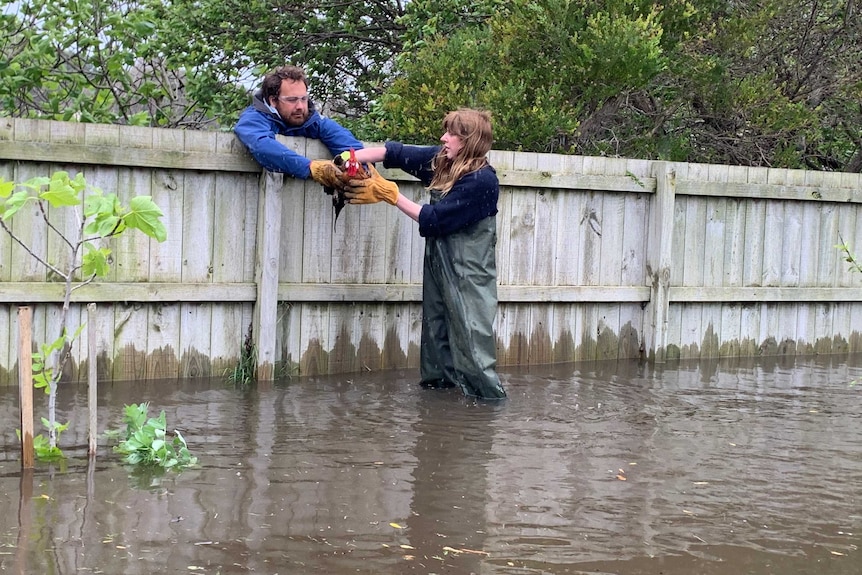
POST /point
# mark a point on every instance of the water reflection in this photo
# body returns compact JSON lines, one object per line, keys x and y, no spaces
{"x":717,"y":467}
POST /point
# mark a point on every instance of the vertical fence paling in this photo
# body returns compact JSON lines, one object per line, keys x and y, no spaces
{"x":266,"y":272}
{"x":659,"y":246}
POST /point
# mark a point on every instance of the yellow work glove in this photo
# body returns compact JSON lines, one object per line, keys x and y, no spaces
{"x":371,"y":190}
{"x":326,"y":173}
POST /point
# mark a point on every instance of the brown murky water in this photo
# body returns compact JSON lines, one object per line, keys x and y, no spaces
{"x":709,"y":468}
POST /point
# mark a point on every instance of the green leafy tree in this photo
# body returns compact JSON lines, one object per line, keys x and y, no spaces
{"x":100,"y":217}
{"x":100,"y":61}
{"x":757,"y":82}
{"x":753,"y":82}
{"x":782,"y":86}
{"x":346,"y":48}
{"x":543,"y":68}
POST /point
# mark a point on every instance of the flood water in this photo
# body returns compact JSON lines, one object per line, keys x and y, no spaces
{"x":624,"y":468}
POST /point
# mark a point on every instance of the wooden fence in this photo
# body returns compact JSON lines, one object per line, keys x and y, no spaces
{"x":598,"y":258}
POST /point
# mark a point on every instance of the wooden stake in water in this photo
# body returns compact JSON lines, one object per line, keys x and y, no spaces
{"x":91,"y":376}
{"x":25,"y":384}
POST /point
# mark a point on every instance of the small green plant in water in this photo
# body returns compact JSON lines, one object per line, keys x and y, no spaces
{"x":245,"y":371}
{"x":42,"y":445}
{"x":148,"y":443}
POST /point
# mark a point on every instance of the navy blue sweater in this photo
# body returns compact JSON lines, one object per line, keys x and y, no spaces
{"x":472,"y":198}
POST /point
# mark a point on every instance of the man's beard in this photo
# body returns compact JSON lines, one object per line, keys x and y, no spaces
{"x":297,"y":119}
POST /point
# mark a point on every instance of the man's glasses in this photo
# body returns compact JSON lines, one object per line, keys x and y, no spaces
{"x":293,"y":99}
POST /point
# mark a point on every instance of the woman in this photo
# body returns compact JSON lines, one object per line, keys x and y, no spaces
{"x":459,"y":286}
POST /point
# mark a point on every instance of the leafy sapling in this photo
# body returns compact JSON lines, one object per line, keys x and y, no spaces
{"x":99,"y":217}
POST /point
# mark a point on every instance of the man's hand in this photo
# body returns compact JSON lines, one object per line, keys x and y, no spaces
{"x":326,"y":174}
{"x":372,"y":190}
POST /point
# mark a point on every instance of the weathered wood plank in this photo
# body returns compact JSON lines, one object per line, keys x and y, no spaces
{"x":692,"y":330}
{"x":130,"y":342}
{"x":30,"y":229}
{"x":773,"y":244}
{"x":292,"y":249}
{"x":547,"y":252}
{"x":417,"y":242}
{"x":166,"y":258}
{"x":8,"y":352}
{"x":694,"y":254}
{"x":678,"y":226}
{"x":567,"y":212}
{"x":754,"y":226}
{"x":36,"y":292}
{"x":823,"y":328}
{"x":773,"y":191}
{"x":749,"y":329}
{"x":266,"y":274}
{"x":6,"y":174}
{"x":792,"y":246}
{"x":575,"y":181}
{"x":395,"y":324}
{"x":770,"y":294}
{"x":195,"y":349}
{"x":234,"y":236}
{"x":319,"y":251}
{"x":163,"y":342}
{"x":588,"y":323}
{"x":198,"y":207}
{"x":315,"y":326}
{"x":842,"y":327}
{"x":519,"y":260}
{"x":398,"y":234}
{"x":659,"y":324}
{"x":712,"y":330}
{"x":591,"y":229}
{"x":715,"y":233}
{"x":735,"y":253}
{"x":132,"y":250}
{"x":607,"y":331}
{"x":117,"y":156}
{"x":787,"y":328}
{"x":231,"y":324}
{"x":341,"y":354}
{"x":613,"y":239}
{"x":290,"y":337}
{"x":197,"y":227}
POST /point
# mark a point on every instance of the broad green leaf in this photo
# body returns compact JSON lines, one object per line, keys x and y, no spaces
{"x":101,"y":204}
{"x":60,"y":191}
{"x":95,"y":261}
{"x":144,"y":215}
{"x":37,"y":183}
{"x":6,"y":188}
{"x":15,"y":203}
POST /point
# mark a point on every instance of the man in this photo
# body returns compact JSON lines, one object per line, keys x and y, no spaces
{"x":282,"y":106}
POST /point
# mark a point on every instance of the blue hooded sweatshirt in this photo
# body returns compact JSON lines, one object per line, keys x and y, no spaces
{"x":259,"y":123}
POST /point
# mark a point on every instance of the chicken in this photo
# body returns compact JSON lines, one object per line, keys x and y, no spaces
{"x":350,"y":170}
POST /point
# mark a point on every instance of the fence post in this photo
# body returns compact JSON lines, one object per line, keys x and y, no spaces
{"x":266,"y":272}
{"x":25,"y":384}
{"x":92,"y":379}
{"x":659,"y":261}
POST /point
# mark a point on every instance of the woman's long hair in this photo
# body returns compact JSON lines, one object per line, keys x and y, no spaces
{"x":474,"y":129}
